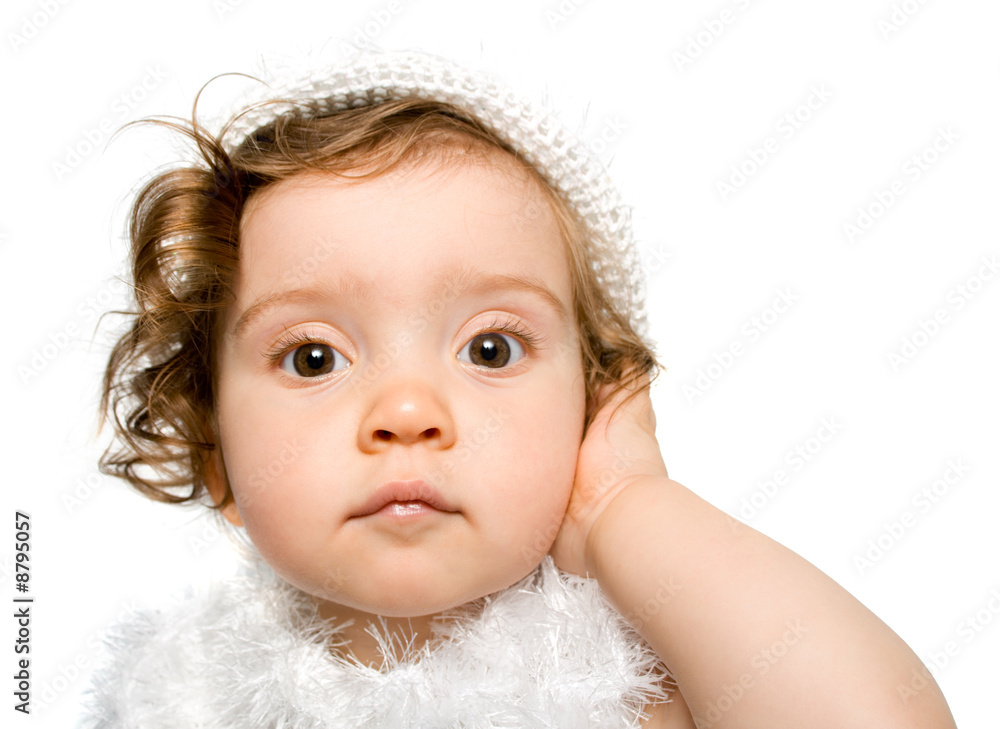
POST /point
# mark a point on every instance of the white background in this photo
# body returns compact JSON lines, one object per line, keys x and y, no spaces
{"x":671,"y":128}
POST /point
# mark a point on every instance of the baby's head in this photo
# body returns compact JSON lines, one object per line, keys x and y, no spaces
{"x":373,"y":337}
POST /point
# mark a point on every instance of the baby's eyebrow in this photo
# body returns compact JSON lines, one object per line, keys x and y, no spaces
{"x":473,"y":281}
{"x":459,"y":282}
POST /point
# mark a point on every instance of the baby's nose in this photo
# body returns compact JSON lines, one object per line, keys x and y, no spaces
{"x":406,"y":412}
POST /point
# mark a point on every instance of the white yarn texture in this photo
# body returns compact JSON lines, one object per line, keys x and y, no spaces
{"x":546,"y":652}
{"x":529,"y":128}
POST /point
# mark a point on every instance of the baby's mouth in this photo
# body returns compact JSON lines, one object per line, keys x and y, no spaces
{"x":405,"y":509}
{"x":404,"y":499}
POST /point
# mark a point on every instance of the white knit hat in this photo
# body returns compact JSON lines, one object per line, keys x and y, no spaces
{"x":562,"y":159}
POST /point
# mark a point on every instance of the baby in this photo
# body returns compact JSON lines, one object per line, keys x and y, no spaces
{"x":391,"y":328}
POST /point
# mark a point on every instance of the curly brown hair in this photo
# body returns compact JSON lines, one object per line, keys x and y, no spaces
{"x":159,"y":389}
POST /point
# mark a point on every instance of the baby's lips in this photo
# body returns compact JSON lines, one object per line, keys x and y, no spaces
{"x":403,"y":491}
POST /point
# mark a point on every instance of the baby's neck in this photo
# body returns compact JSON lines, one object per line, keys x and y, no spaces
{"x":405,"y":634}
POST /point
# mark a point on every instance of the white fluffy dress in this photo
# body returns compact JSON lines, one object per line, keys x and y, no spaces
{"x":251,"y":652}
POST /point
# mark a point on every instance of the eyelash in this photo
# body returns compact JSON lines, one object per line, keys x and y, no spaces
{"x":511,"y":326}
{"x":290,"y":341}
{"x":507,"y":325}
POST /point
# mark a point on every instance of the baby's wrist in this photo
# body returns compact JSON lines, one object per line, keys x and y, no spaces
{"x":616,"y":523}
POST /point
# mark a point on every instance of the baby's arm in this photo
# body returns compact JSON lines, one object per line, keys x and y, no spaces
{"x":755,"y":635}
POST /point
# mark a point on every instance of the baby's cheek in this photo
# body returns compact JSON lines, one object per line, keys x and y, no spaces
{"x":265,"y":450}
{"x":266,"y":485}
{"x":548,"y":456}
{"x":286,"y":521}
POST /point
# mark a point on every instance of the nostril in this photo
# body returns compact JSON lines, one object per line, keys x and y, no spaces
{"x":387,"y":435}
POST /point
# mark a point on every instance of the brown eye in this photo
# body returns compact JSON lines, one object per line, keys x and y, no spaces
{"x":312,"y":360}
{"x":492,"y":349}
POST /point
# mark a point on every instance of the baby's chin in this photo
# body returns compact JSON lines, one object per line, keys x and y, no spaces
{"x":413,"y":596}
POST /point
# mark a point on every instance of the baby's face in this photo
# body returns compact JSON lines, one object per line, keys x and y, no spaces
{"x":417,"y":327}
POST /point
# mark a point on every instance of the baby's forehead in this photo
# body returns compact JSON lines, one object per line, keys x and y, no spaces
{"x":437,"y":155}
{"x":509,"y":187}
{"x":432,"y":194}
{"x":455,"y":233}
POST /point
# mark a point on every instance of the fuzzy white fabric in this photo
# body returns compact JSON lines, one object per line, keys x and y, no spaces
{"x":547,"y":652}
{"x":529,"y":128}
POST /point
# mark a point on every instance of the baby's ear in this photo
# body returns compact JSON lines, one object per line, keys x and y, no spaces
{"x":218,"y":486}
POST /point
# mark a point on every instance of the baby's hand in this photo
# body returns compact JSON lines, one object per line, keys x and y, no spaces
{"x":615,"y":452}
